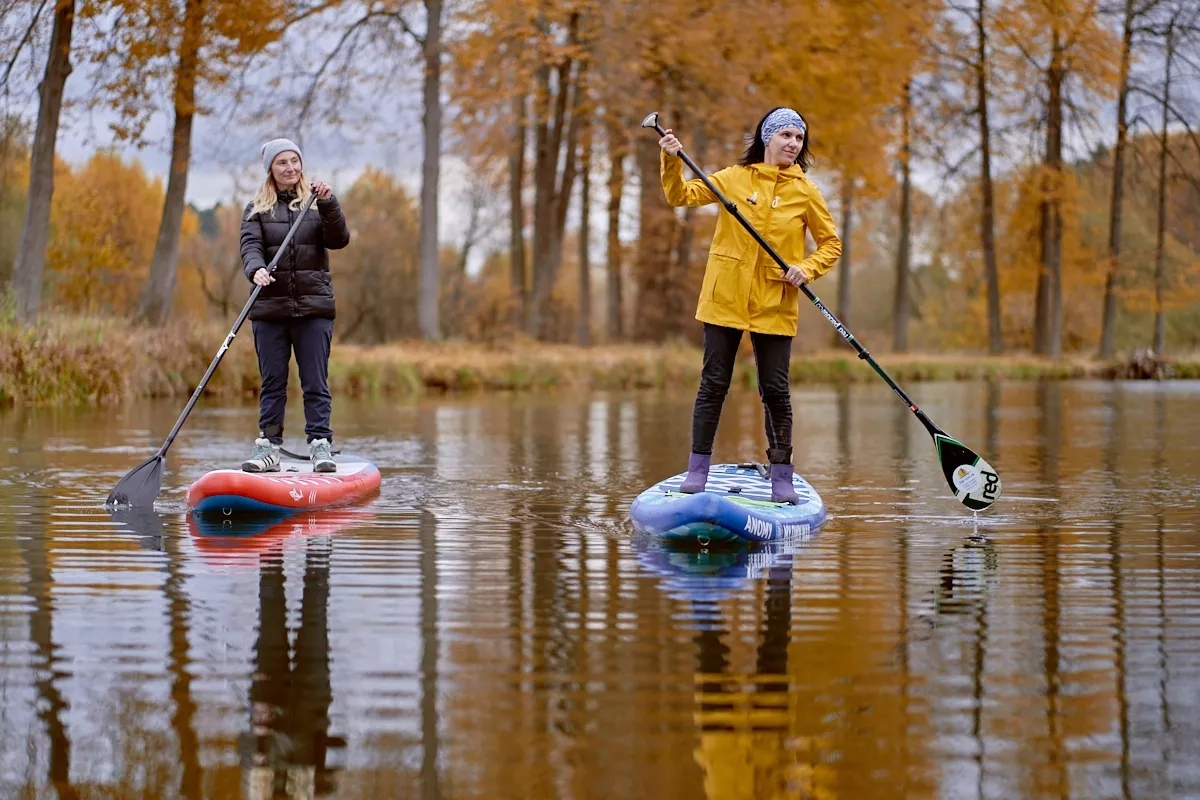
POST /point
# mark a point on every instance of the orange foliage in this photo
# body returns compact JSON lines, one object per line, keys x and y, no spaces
{"x":104,"y":219}
{"x":375,"y":278}
{"x":149,"y":37}
{"x":14,"y":183}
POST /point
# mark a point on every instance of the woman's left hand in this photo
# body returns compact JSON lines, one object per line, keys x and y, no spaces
{"x":796,"y":277}
{"x":321,"y":190}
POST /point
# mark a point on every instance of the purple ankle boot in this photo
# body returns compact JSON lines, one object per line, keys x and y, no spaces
{"x":782,"y":490}
{"x":697,"y":474}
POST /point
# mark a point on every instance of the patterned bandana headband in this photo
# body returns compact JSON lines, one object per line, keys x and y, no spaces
{"x":779,"y":119}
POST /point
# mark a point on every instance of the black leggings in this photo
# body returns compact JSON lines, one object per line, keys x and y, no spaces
{"x":772,"y":355}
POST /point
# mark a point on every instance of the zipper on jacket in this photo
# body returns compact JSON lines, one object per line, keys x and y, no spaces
{"x":292,"y":271}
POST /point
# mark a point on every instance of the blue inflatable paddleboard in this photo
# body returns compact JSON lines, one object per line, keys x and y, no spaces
{"x":735,"y":507}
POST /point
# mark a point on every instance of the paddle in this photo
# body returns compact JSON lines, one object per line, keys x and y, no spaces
{"x":140,"y":485}
{"x":974,"y":483}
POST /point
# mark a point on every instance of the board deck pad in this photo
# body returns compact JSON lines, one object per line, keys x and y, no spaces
{"x":295,"y":487}
{"x":734,"y":507}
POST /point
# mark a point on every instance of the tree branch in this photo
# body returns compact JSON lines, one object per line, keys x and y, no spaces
{"x":25,"y":37}
{"x":310,"y":94}
{"x":1183,"y":170}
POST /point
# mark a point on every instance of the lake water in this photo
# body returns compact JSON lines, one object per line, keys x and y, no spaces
{"x":490,"y":625}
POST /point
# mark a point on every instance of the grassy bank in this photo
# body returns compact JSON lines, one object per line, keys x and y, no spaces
{"x":88,"y":360}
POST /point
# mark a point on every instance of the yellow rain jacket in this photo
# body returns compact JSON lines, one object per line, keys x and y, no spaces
{"x":743,"y":286}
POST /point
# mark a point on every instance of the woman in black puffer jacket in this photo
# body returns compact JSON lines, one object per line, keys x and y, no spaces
{"x":295,"y":310}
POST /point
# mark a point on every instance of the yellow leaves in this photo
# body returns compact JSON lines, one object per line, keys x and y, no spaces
{"x":104,"y":219}
{"x":151,"y":34}
{"x":375,"y":278}
{"x":1031,"y":34}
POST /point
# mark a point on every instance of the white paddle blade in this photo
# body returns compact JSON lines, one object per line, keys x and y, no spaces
{"x":974,"y":483}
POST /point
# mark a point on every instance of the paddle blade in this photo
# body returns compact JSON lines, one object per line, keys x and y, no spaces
{"x":974,"y":483}
{"x":140,"y":485}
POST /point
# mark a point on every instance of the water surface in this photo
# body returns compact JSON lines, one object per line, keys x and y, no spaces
{"x":489,"y":626}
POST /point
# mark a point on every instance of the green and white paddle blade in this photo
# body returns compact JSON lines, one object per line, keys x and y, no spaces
{"x":975,"y":484}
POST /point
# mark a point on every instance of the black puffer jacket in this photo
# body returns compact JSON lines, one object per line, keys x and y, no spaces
{"x":302,"y":286}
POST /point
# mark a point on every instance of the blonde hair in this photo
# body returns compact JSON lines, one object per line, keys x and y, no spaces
{"x":268,"y":196}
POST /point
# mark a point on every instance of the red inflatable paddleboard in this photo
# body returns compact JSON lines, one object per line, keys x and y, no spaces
{"x":295,"y":488}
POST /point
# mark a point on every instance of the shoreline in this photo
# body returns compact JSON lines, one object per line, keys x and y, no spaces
{"x":73,"y":361}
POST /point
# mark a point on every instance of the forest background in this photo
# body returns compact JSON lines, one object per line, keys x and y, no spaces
{"x":1008,"y":176}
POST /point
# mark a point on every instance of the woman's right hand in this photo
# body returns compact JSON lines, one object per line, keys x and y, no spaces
{"x":670,"y":144}
{"x":262,"y":277}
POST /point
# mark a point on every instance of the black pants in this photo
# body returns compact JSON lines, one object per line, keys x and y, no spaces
{"x":772,"y":356}
{"x":274,"y":341}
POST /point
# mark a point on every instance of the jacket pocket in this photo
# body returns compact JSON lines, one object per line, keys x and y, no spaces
{"x":724,"y":281}
{"x":780,"y":293}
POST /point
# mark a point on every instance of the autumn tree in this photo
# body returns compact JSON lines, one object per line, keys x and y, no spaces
{"x":103,"y":221}
{"x":14,"y":180}
{"x":28,"y":269}
{"x":187,"y":45}
{"x":1130,"y":14}
{"x":1179,"y":35}
{"x":374,"y":42}
{"x":533,"y":59}
{"x":374,"y":279}
{"x":1063,"y":53}
{"x":212,"y":260}
{"x":965,"y":55}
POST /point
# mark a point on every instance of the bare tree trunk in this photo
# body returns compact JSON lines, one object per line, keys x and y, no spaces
{"x":545,"y":171}
{"x":1048,"y":325}
{"x":678,"y":293}
{"x":900,"y":308}
{"x":31,"y":252}
{"x":616,"y":187}
{"x":988,"y":216}
{"x":1160,"y":334}
{"x":655,"y":230}
{"x":562,"y":194}
{"x":458,"y":280}
{"x":1108,"y":330}
{"x":1056,"y":288}
{"x":551,"y":197}
{"x":155,"y":305}
{"x":585,"y":235}
{"x":429,"y":282}
{"x":516,"y":181}
{"x":844,"y":262}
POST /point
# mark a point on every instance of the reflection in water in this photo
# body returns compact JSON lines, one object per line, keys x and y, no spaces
{"x":150,"y":531}
{"x":430,"y":785}
{"x":285,"y":752}
{"x":487,"y":627}
{"x":286,"y":749}
{"x":743,"y":719}
{"x":52,"y":705}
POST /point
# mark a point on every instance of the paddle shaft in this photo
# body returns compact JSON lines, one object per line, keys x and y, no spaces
{"x":841,"y":329}
{"x":233,"y":332}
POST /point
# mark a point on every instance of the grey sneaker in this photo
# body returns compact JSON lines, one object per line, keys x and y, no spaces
{"x":265,"y":457}
{"x":322,"y":458}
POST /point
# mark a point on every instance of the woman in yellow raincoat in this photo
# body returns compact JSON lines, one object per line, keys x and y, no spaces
{"x":744,"y":289}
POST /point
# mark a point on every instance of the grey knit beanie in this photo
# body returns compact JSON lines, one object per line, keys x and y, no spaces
{"x":276,"y":146}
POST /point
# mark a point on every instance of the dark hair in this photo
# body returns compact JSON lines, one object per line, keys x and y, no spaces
{"x":756,"y":151}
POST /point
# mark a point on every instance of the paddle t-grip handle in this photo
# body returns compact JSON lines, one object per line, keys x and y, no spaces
{"x":651,"y":121}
